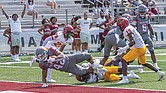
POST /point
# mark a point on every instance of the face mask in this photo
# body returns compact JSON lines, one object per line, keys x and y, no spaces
{"x":142,"y":16}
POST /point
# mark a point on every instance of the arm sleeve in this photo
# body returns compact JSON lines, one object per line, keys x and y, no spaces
{"x":46,"y":40}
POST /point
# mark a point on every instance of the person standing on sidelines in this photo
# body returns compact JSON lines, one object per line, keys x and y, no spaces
{"x":15,"y":25}
{"x":85,"y":24}
{"x":100,"y":20}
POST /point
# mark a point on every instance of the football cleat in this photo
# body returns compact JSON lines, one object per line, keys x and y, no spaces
{"x":160,"y":75}
{"x":44,"y":85}
{"x":140,"y":70}
{"x":132,"y":75}
{"x":123,"y":81}
{"x":51,"y":81}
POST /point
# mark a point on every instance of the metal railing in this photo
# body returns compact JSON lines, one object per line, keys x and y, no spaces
{"x":112,"y":13}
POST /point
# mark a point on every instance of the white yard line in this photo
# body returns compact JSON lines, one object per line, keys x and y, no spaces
{"x":17,"y":67}
{"x":8,"y":63}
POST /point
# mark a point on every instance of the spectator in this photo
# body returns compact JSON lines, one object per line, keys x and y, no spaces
{"x":45,"y":29}
{"x":76,"y":45}
{"x":7,"y":33}
{"x":54,"y":26}
{"x":15,"y":24}
{"x":164,"y":10}
{"x":148,"y":3}
{"x":22,"y":1}
{"x":53,"y":5}
{"x":152,"y":5}
{"x":96,"y":10}
{"x":107,"y":25}
{"x":106,"y":7}
{"x":101,"y":29}
{"x":85,"y":24}
{"x":31,"y":9}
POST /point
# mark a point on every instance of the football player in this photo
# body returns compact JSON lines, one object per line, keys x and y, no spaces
{"x":110,"y":73}
{"x":136,"y":47}
{"x":143,"y":26}
{"x":112,"y":39}
{"x":59,"y":40}
{"x":54,"y":59}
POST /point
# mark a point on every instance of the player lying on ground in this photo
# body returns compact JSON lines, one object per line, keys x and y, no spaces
{"x":53,"y":58}
{"x":110,"y":75}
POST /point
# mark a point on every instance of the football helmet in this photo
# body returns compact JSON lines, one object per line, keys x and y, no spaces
{"x":128,"y":16}
{"x":122,"y":23}
{"x":142,"y":11}
{"x":67,"y":31}
{"x":41,"y":53}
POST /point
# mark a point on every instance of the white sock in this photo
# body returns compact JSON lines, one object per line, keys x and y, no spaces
{"x":49,"y":74}
{"x":17,"y":56}
{"x":124,"y":77}
{"x":155,"y":64}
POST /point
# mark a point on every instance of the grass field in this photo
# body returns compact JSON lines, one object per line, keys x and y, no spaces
{"x":22,"y":72}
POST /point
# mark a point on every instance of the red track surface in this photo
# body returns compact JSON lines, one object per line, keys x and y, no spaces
{"x":31,"y":87}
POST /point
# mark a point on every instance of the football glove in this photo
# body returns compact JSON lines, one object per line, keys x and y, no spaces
{"x":123,"y":49}
{"x":96,"y":64}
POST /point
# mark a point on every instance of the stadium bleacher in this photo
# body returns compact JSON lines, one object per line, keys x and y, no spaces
{"x":15,"y":6}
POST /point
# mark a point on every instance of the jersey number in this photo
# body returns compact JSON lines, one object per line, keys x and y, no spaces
{"x":144,"y":27}
{"x":59,"y":64}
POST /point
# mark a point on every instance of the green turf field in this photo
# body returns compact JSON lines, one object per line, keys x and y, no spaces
{"x":21,"y":72}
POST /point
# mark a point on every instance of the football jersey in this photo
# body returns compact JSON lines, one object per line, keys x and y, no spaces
{"x":139,"y":43}
{"x":55,"y":62}
{"x":57,"y":40}
{"x":142,"y":25}
{"x":115,"y":30}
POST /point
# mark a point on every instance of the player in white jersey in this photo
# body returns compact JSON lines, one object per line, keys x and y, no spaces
{"x":59,"y":40}
{"x":135,"y":49}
